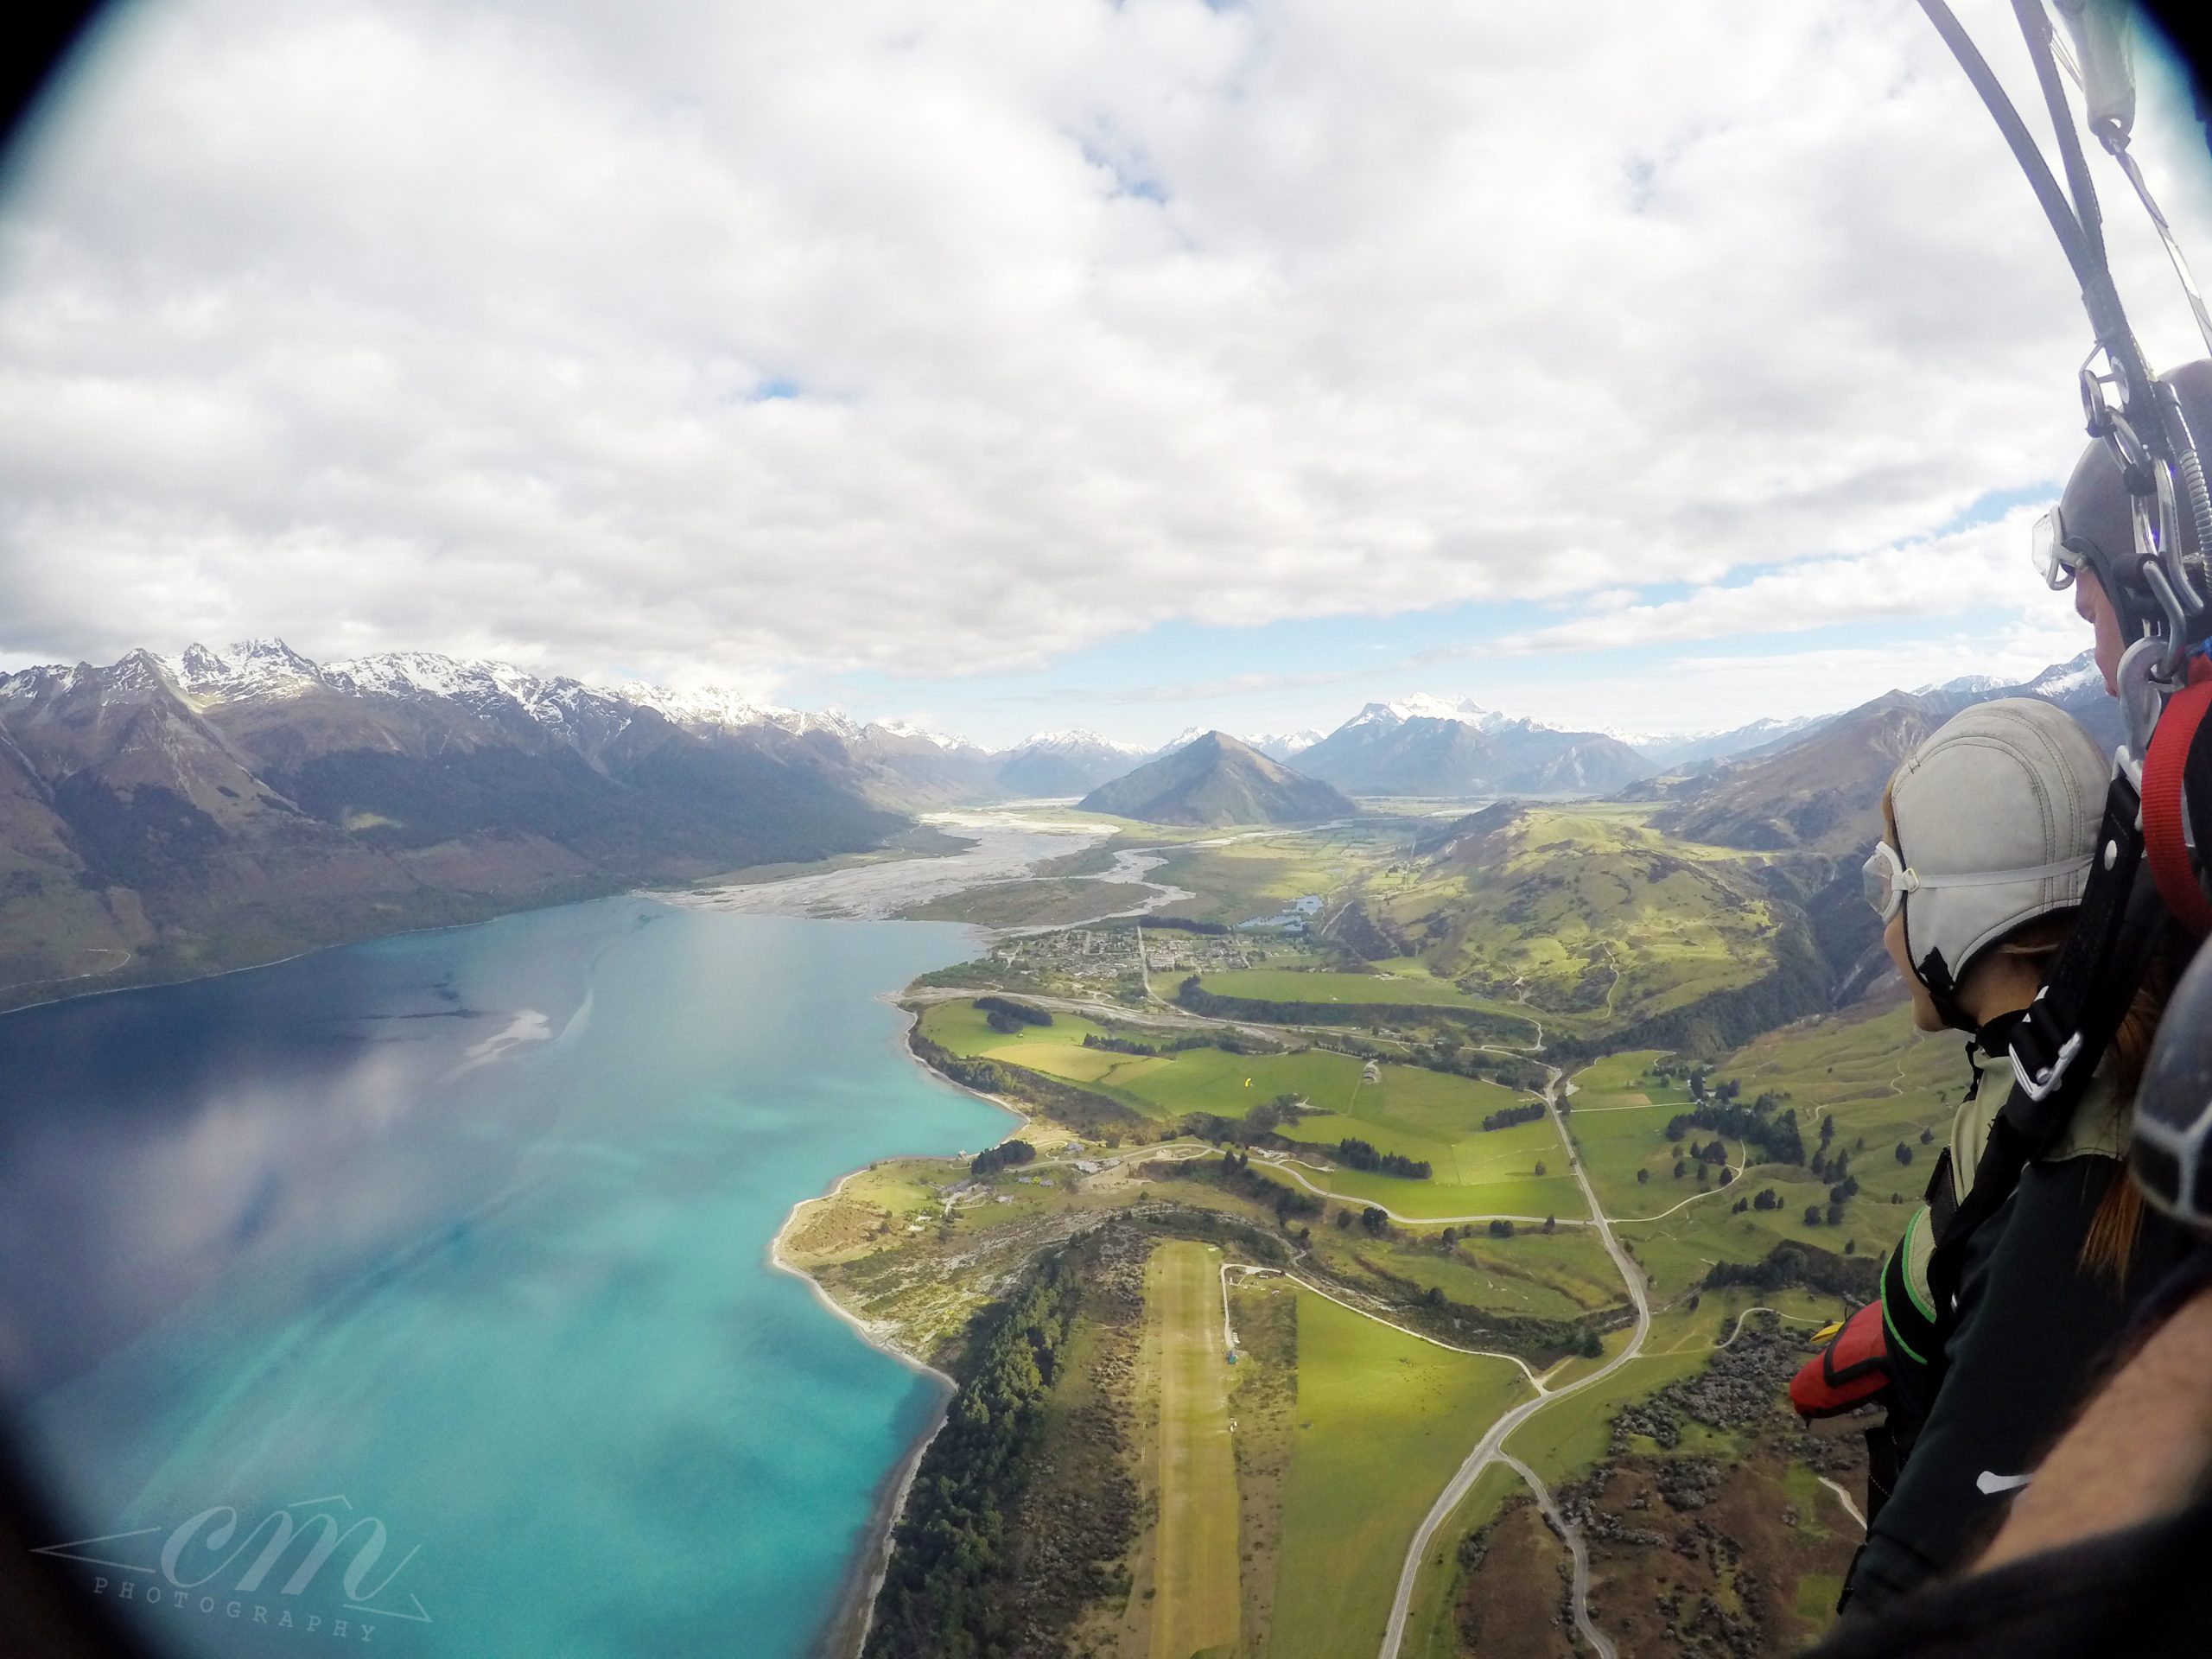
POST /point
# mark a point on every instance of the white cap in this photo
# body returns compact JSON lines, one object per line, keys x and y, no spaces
{"x":1998,"y":814}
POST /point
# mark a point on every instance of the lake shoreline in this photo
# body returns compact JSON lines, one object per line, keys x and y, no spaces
{"x":845,"y":1632}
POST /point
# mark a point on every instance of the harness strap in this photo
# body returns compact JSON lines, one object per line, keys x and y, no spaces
{"x":1942,"y":1193}
{"x":2059,"y":1042}
{"x":2166,"y":766}
{"x":2053,"y":1051}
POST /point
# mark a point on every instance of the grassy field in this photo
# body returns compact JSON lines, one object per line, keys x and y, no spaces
{"x":1195,"y":1589}
{"x":1433,"y":1115}
{"x":1382,"y":1419}
{"x":1883,"y":1080}
{"x":1437,"y":1117}
{"x":1250,"y":879}
{"x":1598,"y":919}
{"x":1047,"y":902}
{"x":1543,"y":1275}
{"x":1276,"y":985}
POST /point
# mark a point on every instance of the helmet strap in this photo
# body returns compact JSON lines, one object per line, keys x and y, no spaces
{"x":1992,"y":1036}
{"x":1942,"y":989}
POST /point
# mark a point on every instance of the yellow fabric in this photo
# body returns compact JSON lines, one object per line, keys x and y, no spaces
{"x":2098,"y":1129}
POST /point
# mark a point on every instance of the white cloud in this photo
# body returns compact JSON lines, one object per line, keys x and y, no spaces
{"x":1709,"y":693}
{"x":1973,"y":570}
{"x":412,"y":325}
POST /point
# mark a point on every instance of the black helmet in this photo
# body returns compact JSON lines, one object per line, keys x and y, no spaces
{"x":2092,"y":523}
{"x":2171,"y":1151}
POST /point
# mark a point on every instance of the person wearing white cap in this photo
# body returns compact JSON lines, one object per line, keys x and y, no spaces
{"x":1993,"y":823}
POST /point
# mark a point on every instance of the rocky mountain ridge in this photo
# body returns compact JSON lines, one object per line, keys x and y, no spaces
{"x":169,"y":816}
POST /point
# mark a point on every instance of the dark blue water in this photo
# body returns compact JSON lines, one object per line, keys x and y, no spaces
{"x":463,"y":1236}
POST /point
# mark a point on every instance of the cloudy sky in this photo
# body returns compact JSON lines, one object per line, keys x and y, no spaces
{"x":1054,"y":362}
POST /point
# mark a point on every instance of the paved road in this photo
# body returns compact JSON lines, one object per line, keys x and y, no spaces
{"x":1491,"y":1447}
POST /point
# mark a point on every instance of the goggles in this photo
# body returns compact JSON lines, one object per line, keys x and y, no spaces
{"x":1887,"y":878}
{"x":2056,"y":555}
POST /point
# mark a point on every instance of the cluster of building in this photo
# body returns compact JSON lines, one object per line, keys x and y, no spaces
{"x":1104,"y":954}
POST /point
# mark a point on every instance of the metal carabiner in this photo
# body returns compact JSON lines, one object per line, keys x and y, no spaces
{"x":2096,"y":413}
{"x":2183,"y":591}
{"x":2172,"y":659}
{"x":2141,"y":700}
{"x":2127,"y":449}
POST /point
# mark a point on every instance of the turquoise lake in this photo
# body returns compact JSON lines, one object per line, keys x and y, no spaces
{"x":466,"y":1234}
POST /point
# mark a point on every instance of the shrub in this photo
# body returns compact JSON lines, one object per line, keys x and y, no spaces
{"x":1002,"y":1156}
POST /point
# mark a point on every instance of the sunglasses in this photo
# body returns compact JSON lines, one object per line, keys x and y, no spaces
{"x":1886,"y":878}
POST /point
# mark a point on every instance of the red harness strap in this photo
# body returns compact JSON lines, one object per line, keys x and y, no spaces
{"x":2164,"y":849}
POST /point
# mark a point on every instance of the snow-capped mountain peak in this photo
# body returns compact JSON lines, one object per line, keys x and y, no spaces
{"x":1967,"y":685}
{"x":907,"y":729}
{"x":248,"y":667}
{"x":1422,"y":706}
{"x":1077,"y":740}
{"x":2063,"y":679}
{"x":1280,"y":746}
{"x":711,"y":705}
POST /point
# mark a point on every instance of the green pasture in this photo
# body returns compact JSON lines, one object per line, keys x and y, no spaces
{"x":1553,"y":1194}
{"x":1556,"y":1275}
{"x":1422,"y":1109}
{"x":1273,"y":985}
{"x":1246,"y":880}
{"x":1382,"y":1419}
{"x":1437,"y":1116}
{"x":1047,"y":902}
{"x":1882,"y":1079}
{"x":1677,"y":1251}
{"x":1618,"y":1115}
{"x":1410,"y":1111}
{"x":1598,"y":919}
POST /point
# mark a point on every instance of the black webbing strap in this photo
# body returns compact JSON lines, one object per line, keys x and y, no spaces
{"x":2057,"y":1046}
{"x":1942,"y":1193}
{"x":2085,"y":975}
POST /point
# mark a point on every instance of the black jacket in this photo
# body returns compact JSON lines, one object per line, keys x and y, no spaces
{"x":2034,"y":1332}
{"x":2143,"y":1591}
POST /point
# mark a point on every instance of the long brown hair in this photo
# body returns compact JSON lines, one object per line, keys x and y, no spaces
{"x":2110,"y":1242}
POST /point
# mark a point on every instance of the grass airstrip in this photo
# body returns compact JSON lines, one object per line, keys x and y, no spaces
{"x":1195,"y":1599}
{"x":1382,"y":1419}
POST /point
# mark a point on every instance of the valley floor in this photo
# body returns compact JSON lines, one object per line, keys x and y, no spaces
{"x":1324,"y":1343}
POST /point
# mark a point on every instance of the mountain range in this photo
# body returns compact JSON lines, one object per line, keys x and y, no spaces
{"x":1426,"y":746}
{"x":186,"y":813}
{"x":1819,"y":788}
{"x":194,"y":813}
